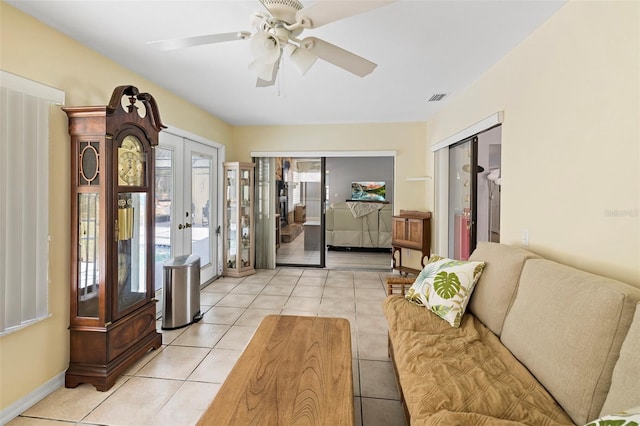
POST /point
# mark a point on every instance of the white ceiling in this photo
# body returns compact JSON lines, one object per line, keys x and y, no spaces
{"x":422,"y":47}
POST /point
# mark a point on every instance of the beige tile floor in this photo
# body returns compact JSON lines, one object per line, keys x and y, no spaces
{"x":294,"y":253}
{"x":174,"y":384}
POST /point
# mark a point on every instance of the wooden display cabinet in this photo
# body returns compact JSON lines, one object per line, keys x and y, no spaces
{"x":238,"y":220}
{"x":410,"y":230}
{"x":112,"y":307}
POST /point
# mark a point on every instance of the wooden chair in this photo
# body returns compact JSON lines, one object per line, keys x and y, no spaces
{"x":400,"y":284}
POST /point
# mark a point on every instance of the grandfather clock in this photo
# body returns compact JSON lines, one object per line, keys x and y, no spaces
{"x":112,"y":309}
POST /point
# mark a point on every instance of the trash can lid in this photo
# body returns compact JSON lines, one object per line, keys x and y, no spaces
{"x":184,"y":261}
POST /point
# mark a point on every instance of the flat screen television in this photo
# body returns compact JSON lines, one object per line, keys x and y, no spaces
{"x":368,"y":191}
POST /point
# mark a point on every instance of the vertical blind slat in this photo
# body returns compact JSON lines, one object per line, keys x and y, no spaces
{"x":26,"y":214}
{"x":42,"y":211}
{"x":13,"y":224}
{"x":4,"y":177}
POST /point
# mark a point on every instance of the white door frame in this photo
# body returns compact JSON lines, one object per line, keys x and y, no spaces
{"x":215,"y":203}
{"x":441,"y":178}
{"x":327,"y":154}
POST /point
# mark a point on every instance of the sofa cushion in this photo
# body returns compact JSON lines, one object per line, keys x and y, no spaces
{"x":372,"y":230}
{"x":444,"y":286}
{"x":403,"y":315}
{"x":625,"y":382}
{"x":444,"y":370}
{"x":452,"y":418}
{"x":329,"y":220}
{"x":566,"y":326}
{"x":497,"y":286}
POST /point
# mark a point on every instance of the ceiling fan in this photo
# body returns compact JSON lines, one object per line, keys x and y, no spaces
{"x":276,"y":31}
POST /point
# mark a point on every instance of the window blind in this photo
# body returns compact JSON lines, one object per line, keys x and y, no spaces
{"x":24,"y":200}
{"x":265,"y":220}
{"x":297,"y":189}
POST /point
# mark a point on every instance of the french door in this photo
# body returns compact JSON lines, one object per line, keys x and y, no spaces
{"x":186,"y":204}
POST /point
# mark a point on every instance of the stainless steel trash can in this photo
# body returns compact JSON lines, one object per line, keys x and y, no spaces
{"x":181,"y":292}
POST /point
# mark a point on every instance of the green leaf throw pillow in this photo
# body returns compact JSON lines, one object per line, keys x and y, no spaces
{"x":444,"y":286}
{"x":629,"y":417}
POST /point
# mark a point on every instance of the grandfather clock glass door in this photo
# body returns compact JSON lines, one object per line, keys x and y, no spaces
{"x":132,"y":249}
{"x":186,"y":207}
{"x":134,"y":157}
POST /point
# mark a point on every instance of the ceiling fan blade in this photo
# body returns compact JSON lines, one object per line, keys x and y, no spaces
{"x":179,"y":43}
{"x":323,"y":12}
{"x":301,"y":58}
{"x":338,"y":56}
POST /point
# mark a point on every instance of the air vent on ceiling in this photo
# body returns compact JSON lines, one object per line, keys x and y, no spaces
{"x":437,"y":97}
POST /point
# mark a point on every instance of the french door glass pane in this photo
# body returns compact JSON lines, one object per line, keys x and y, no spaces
{"x":201,"y":167}
{"x":164,"y":199}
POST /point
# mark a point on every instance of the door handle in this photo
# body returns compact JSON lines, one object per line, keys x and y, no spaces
{"x":180,"y":226}
{"x":187,"y":225}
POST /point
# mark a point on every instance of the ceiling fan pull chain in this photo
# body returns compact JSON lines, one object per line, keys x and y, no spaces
{"x":280,"y":76}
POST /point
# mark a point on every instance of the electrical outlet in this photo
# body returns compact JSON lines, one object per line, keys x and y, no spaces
{"x":525,"y":237}
{"x":408,"y":253}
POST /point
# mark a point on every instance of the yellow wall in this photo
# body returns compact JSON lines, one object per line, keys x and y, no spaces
{"x":570,"y":138}
{"x":407,"y":139}
{"x":31,"y":357}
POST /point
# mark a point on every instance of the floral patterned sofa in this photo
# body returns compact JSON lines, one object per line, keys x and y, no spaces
{"x":540,"y":344}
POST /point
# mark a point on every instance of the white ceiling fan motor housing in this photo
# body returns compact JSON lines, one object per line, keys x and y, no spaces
{"x":283,"y":10}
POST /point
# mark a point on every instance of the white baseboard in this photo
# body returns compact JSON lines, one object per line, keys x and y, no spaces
{"x":20,"y":406}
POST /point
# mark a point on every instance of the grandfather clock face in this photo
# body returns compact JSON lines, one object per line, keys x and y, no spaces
{"x":131,"y":162}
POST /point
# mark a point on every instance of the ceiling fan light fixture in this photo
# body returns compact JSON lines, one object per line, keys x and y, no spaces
{"x":265,"y":47}
{"x":264,"y":71}
{"x":301,"y":58}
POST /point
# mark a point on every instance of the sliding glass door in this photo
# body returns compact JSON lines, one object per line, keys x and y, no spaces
{"x":463,"y":172}
{"x":300,"y":200}
{"x":298,"y":189}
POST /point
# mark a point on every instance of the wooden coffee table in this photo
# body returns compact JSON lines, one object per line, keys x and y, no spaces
{"x":295,"y":370}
